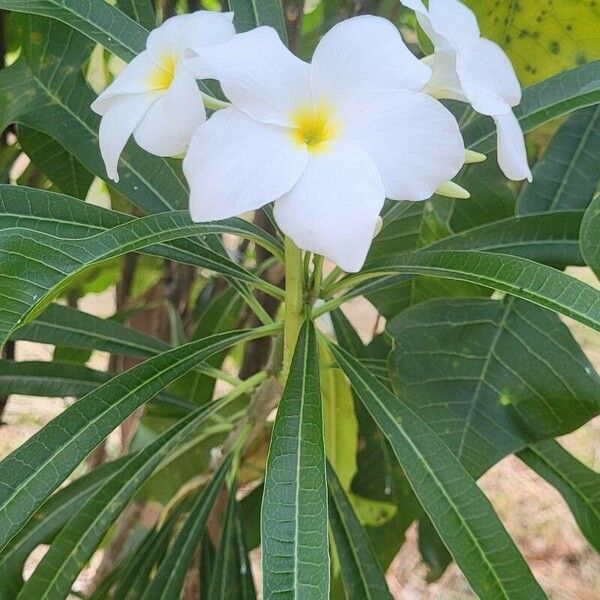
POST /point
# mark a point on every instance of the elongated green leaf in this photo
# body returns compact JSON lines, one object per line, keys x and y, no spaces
{"x":45,"y":524}
{"x":59,"y":379}
{"x":49,"y":378}
{"x":247,"y":589}
{"x":567,"y":175}
{"x":30,"y":473}
{"x":96,"y":19}
{"x":548,"y":238}
{"x":65,"y":326}
{"x":140,"y":11}
{"x":231,"y":578}
{"x":295,"y":554}
{"x":361,"y":574}
{"x":61,"y":167}
{"x":557,"y":96}
{"x":523,"y":278}
{"x":391,"y":505}
{"x":222,"y":314}
{"x":578,"y":485}
{"x":133,"y":581}
{"x":590,"y":240}
{"x":248,"y":14}
{"x":168,"y":582}
{"x":207,"y":564}
{"x":489,"y":376}
{"x":80,"y":537}
{"x":432,"y":549}
{"x":38,"y":265}
{"x":462,"y":515}
{"x":66,"y":217}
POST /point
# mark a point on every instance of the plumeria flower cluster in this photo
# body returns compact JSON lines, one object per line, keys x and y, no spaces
{"x":470,"y":68}
{"x":326,"y":142}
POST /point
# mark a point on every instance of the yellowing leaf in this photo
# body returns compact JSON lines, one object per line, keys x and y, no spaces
{"x":542,"y":37}
{"x":340,"y":424}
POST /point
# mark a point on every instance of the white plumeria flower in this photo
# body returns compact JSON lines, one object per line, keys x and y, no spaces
{"x":472,"y":69}
{"x":156,"y":97}
{"x":326,"y":141}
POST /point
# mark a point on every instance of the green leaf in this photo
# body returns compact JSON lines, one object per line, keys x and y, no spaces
{"x":141,"y":11}
{"x":462,"y":515}
{"x":60,"y":379}
{"x":295,"y":555}
{"x":490,"y":377}
{"x":207,"y":564}
{"x":65,"y":326}
{"x":578,"y":485}
{"x":432,"y":549}
{"x":492,"y":198}
{"x":541,"y":103}
{"x":231,"y":576}
{"x":248,"y":14}
{"x":361,"y":574}
{"x":541,"y":40}
{"x":35,"y":469}
{"x":168,"y":582}
{"x":523,"y":278}
{"x":381,"y":494}
{"x":96,"y":19}
{"x":548,"y":238}
{"x":222,"y":314}
{"x":62,"y":216}
{"x":80,"y":537}
{"x":133,"y":581}
{"x":37,"y":265}
{"x":567,"y":175}
{"x":590,"y":240}
{"x":409,"y":226}
{"x":45,"y":524}
{"x":61,"y":167}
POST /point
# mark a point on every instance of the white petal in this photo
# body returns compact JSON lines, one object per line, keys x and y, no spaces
{"x":416,"y":5}
{"x":454,"y":21}
{"x":167,"y":128}
{"x":258,"y":74}
{"x":414,"y":141}
{"x":364,"y":54}
{"x":333,"y":209}
{"x":422,"y":14}
{"x":512,"y":155}
{"x":236,"y":164}
{"x":444,"y":82}
{"x":134,"y":79}
{"x":120,"y":119}
{"x":206,"y":28}
{"x":163,"y":40}
{"x":488,"y":78}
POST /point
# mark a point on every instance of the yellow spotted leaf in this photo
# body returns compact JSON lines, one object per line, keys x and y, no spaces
{"x":542,"y":37}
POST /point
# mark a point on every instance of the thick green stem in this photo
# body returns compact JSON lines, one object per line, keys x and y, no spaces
{"x":294,"y":292}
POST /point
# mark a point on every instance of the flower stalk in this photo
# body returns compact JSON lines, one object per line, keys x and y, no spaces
{"x":294,"y":302}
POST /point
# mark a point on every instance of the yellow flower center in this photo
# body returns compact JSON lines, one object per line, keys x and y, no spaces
{"x":314,"y":127}
{"x":163,"y":74}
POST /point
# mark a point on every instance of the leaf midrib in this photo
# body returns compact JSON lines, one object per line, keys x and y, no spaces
{"x":434,"y":477}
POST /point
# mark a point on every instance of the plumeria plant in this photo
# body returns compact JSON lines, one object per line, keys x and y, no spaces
{"x":234,"y":174}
